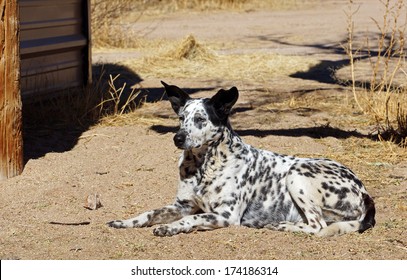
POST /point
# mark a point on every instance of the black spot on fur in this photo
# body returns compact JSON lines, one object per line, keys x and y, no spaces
{"x":209,"y":217}
{"x":309,"y":175}
{"x":226,"y":214}
{"x":343,"y":205}
{"x":342,"y":193}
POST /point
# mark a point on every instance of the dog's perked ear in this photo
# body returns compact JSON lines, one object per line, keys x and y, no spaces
{"x":176,"y":96}
{"x":224,"y":100}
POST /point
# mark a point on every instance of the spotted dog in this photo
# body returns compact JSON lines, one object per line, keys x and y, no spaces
{"x":224,"y":181}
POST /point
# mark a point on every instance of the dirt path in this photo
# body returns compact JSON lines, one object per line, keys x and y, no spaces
{"x":133,"y":167}
{"x":315,"y":30}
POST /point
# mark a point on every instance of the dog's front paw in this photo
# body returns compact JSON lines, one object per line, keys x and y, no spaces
{"x":273,"y":226}
{"x":117,"y":224}
{"x":165,"y":230}
{"x":281,"y":226}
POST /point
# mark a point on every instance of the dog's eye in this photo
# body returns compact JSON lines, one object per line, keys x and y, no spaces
{"x":199,"y":119}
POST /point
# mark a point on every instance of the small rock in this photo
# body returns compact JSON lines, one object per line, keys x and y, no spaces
{"x":93,"y":202}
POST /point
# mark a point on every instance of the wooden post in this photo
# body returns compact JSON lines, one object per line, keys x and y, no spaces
{"x":11,"y":140}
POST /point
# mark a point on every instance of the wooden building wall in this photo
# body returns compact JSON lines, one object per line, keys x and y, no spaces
{"x":45,"y":48}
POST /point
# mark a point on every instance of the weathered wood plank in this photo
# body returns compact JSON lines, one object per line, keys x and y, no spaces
{"x":11,"y":143}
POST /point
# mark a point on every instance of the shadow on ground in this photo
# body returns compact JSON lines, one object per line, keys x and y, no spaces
{"x":313,"y":132}
{"x":54,"y":125}
{"x":325,"y":71}
{"x":122,"y":75}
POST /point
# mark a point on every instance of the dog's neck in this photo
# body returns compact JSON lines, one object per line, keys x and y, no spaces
{"x":210,"y":156}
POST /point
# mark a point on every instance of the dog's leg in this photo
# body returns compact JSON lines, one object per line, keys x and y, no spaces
{"x":313,"y":224}
{"x":295,"y":227}
{"x":204,"y":221}
{"x":339,"y":228}
{"x":166,"y":214}
{"x":308,"y":202}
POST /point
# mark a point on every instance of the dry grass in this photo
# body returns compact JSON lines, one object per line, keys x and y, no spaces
{"x":106,"y":17}
{"x":190,"y":59}
{"x":384,"y":95}
{"x":84,"y":106}
{"x":146,"y":116}
{"x":188,"y":49}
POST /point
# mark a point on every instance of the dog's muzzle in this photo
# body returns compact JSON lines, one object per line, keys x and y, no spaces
{"x":179,"y":139}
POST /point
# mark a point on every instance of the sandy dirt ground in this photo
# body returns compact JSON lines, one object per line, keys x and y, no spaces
{"x":133,"y":167}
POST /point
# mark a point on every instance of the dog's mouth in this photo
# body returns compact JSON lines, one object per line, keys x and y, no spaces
{"x":180,"y":139}
{"x":181,"y":142}
{"x":181,"y":147}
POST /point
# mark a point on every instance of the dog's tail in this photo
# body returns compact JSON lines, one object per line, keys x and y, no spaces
{"x":367,"y":221}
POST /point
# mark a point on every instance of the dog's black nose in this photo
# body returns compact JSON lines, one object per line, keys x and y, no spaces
{"x":179,"y":139}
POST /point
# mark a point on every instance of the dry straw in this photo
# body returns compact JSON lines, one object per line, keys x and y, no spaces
{"x":191,"y":59}
{"x":189,"y":49}
{"x":384,"y":94}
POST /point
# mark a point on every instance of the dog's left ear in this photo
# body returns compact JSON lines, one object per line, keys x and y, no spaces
{"x":176,"y":96}
{"x":224,"y":100}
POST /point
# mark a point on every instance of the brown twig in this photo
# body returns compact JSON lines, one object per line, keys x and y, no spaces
{"x":70,"y":224}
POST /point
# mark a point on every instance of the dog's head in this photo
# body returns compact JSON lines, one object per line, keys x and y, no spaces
{"x":202,"y":120}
